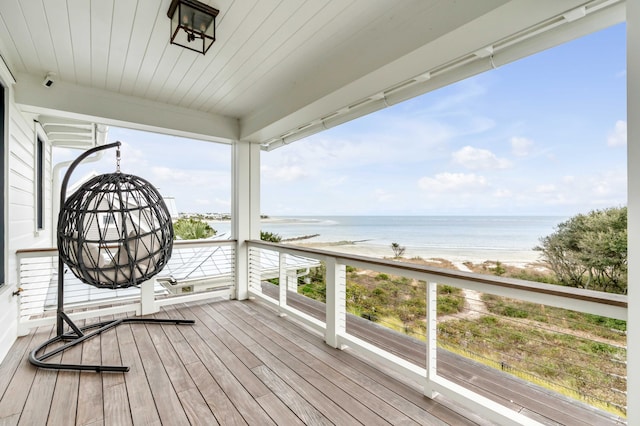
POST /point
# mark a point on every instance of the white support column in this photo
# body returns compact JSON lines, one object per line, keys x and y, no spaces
{"x":147,"y":298}
{"x":633,"y":220}
{"x":336,"y":280}
{"x":282,"y":280}
{"x":432,"y":339}
{"x":245,"y":214}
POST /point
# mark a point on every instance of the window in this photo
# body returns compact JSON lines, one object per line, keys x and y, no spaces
{"x":2,"y":165}
{"x":108,"y":221}
{"x":39,"y":184}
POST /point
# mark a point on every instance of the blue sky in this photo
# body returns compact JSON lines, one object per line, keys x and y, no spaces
{"x":545,"y":135}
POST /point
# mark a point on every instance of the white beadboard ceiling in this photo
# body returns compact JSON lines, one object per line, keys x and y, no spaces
{"x":277,"y":66}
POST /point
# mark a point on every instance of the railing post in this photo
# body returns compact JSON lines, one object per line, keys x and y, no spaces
{"x":432,"y":338}
{"x":336,"y":299}
{"x":147,"y":298}
{"x":282,"y":280}
{"x":633,"y":215}
{"x":22,"y":330}
{"x":292,"y":280}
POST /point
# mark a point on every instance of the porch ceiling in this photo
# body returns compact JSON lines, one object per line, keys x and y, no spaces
{"x":278,"y":66}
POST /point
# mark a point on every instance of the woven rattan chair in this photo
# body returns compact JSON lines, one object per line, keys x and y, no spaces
{"x":114,"y":232}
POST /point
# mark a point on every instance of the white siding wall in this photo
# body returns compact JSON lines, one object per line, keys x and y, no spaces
{"x":21,"y":226}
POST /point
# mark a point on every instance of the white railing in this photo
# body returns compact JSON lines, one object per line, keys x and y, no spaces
{"x":290,"y":260}
{"x":197,"y":270}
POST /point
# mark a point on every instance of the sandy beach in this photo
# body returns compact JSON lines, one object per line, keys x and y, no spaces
{"x":319,"y":233}
{"x":519,"y":259}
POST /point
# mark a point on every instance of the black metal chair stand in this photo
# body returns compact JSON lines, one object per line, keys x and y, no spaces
{"x":79,"y":335}
{"x":113,"y":232}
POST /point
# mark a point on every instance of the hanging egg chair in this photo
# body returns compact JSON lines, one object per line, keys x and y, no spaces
{"x":114,"y":232}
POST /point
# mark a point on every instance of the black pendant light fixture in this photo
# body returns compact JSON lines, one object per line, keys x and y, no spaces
{"x":193,"y":24}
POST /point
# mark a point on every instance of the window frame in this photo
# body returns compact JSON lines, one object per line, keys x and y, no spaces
{"x":39,"y":183}
{"x":4,"y":107}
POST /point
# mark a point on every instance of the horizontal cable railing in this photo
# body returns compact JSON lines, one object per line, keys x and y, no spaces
{"x":566,"y":340}
{"x":576,"y":354}
{"x":197,"y":269}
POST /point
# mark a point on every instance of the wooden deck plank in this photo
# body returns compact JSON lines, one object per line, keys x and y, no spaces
{"x":193,"y":403}
{"x":203,"y":373}
{"x":90,"y":399}
{"x":324,"y":379}
{"x":324,"y":395}
{"x":177,"y":373}
{"x":12,"y":362}
{"x":116,"y":408}
{"x":239,"y":350}
{"x":293,"y":401}
{"x":183,"y":348}
{"x":19,"y":387}
{"x":15,"y":357}
{"x":409,"y":400}
{"x":116,"y":405}
{"x":65,"y":397}
{"x":221,"y":406}
{"x":363,"y":393}
{"x":196,"y":408}
{"x":215,"y":398}
{"x":505,"y":389}
{"x":141,"y":402}
{"x":406,"y":392}
{"x":232,"y":362}
{"x":164,"y":395}
{"x":36,"y":407}
{"x":235,"y":391}
{"x":279,"y":412}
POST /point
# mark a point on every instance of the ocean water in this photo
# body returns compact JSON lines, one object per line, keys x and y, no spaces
{"x":459,"y":237}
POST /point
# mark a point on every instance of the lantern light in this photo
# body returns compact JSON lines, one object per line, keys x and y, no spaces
{"x":193,"y":24}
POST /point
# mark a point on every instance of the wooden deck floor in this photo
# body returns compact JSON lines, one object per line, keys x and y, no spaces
{"x":239,"y":364}
{"x":543,"y":405}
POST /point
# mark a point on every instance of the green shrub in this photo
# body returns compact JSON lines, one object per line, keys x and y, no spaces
{"x":489,"y":321}
{"x":513,"y":312}
{"x":447,"y":289}
{"x":613,"y":323}
{"x":270,"y":236}
{"x":192,"y":229}
{"x":450,"y":305}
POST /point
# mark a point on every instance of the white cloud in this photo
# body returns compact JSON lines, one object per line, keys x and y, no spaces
{"x":618,"y":136}
{"x":331,"y":182}
{"x":503,"y":193}
{"x":521,"y":147}
{"x":452,"y":182}
{"x":283,"y":173}
{"x":199,"y":183}
{"x":546,"y":188}
{"x":383,"y":196}
{"x":604,"y":189}
{"x":168,"y":174}
{"x":479,"y":159}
